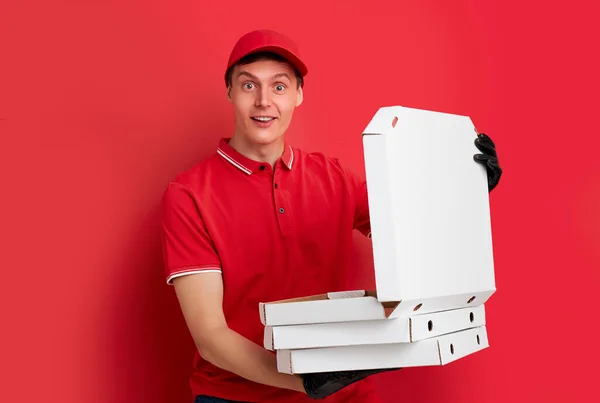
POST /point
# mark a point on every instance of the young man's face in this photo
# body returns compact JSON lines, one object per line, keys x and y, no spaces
{"x":264,"y":95}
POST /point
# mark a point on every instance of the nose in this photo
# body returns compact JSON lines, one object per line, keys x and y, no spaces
{"x":263,"y":97}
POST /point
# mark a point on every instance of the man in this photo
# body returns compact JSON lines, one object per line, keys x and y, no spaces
{"x":260,"y":221}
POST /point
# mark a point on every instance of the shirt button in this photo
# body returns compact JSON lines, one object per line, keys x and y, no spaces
{"x":262,"y":167}
{"x":281,"y":210}
{"x":276,"y":186}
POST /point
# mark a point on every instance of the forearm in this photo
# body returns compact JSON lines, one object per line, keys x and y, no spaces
{"x":234,"y":353}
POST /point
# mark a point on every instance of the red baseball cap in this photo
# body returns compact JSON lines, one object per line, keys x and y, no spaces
{"x":266,"y":40}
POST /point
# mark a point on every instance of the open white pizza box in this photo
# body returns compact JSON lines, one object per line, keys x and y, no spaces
{"x":435,"y":351}
{"x":430,"y":224}
{"x":408,"y":329}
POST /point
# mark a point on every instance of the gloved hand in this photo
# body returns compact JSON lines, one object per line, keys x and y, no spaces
{"x":489,"y":158}
{"x":322,"y":384}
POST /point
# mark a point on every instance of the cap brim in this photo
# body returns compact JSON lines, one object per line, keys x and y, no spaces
{"x":291,"y":57}
{"x":286,"y":54}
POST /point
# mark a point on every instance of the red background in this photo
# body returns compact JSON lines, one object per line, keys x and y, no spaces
{"x":102,"y":102}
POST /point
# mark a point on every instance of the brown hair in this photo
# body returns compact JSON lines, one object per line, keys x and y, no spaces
{"x":253,"y":57}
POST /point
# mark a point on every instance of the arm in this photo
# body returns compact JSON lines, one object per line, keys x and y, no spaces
{"x":358,"y":189}
{"x":193,"y":268}
{"x":200,"y":297}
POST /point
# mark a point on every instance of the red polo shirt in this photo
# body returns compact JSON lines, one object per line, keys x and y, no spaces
{"x":273,"y":233}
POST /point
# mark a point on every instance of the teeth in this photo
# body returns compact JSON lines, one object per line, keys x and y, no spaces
{"x":263,"y":118}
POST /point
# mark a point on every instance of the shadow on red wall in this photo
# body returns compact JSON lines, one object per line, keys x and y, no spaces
{"x":150,"y":352}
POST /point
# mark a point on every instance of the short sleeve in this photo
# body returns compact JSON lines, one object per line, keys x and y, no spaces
{"x":186,"y":245}
{"x":358,"y":189}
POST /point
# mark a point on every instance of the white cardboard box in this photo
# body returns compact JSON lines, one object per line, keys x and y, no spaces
{"x":398,"y":330}
{"x":324,"y":308}
{"x":429,"y":207}
{"x":435,"y":351}
{"x":430,"y":222}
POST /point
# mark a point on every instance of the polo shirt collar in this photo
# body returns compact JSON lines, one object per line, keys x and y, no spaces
{"x":246,"y":164}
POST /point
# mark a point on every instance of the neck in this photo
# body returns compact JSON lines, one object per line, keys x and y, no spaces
{"x":268,"y":153}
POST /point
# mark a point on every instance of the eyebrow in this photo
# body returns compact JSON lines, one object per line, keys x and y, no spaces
{"x":278,"y":75}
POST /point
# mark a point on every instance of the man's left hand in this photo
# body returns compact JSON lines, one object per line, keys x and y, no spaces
{"x":489,"y":159}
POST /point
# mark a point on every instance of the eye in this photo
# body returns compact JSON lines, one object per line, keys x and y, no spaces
{"x":248,"y":86}
{"x":279,"y":87}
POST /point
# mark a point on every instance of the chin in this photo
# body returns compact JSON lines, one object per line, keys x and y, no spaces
{"x":264,"y":136}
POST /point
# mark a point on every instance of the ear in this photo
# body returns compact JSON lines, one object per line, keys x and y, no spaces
{"x":299,"y":97}
{"x":229,"y":93}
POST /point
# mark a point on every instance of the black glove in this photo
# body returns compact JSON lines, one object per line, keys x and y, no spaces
{"x":322,"y":384}
{"x":489,"y":158}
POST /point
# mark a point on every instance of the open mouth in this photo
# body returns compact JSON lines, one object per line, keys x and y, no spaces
{"x":264,"y":119}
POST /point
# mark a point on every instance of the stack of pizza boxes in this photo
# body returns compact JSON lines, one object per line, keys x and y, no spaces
{"x":432,"y":251}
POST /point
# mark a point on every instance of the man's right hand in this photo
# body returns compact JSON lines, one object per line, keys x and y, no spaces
{"x":322,"y":384}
